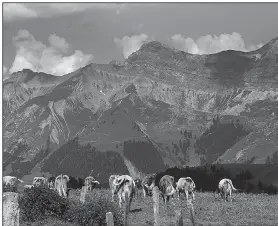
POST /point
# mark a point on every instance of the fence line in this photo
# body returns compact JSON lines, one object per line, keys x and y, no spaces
{"x":178,"y":218}
{"x":192,"y":215}
{"x":155,"y":194}
{"x":109,"y":219}
{"x":126,"y":210}
{"x":83,"y":194}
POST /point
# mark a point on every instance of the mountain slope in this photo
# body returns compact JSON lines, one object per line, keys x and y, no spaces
{"x":159,"y":99}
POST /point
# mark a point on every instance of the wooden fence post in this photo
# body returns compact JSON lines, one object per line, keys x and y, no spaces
{"x":10,"y":209}
{"x":155,"y":194}
{"x":178,"y":218}
{"x":109,"y":219}
{"x":83,"y":194}
{"x":192,"y":215}
{"x":126,"y":210}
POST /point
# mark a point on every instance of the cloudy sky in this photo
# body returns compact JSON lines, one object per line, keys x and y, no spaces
{"x":58,"y":38}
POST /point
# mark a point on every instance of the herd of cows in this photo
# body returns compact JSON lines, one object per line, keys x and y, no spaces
{"x":124,"y":184}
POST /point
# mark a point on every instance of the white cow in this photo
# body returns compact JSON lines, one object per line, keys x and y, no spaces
{"x":61,"y":185}
{"x":225,"y":188}
{"x":40,"y":181}
{"x":187,"y":186}
{"x":90,"y":182}
{"x":11,"y":183}
{"x":112,"y":187}
{"x":166,"y":187}
{"x":124,"y":184}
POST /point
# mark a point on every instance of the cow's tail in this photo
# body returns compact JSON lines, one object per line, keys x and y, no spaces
{"x":193,"y":185}
{"x":119,"y":185}
{"x":231,"y":183}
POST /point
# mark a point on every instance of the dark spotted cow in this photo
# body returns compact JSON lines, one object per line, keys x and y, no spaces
{"x":90,"y":183}
{"x":124,"y":184}
{"x":167,"y":187}
{"x":148,"y":184}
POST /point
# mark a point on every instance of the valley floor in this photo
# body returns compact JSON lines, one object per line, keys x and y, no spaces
{"x":245,"y":209}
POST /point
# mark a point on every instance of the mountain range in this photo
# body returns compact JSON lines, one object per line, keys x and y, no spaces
{"x":160,"y":107}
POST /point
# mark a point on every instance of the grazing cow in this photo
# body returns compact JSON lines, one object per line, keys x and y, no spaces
{"x":148,"y":184}
{"x":39,"y":181}
{"x":61,"y":185}
{"x":51,"y":183}
{"x":90,"y":183}
{"x":28,"y":186}
{"x":226,"y":187}
{"x":112,"y":187}
{"x":187,"y":186}
{"x":124,"y":184}
{"x":11,"y":183}
{"x":166,"y":187}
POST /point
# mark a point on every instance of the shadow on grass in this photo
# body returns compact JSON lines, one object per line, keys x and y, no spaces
{"x":136,"y":210}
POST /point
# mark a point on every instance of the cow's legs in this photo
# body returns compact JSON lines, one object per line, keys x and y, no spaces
{"x":164,"y":200}
{"x":179,"y":193}
{"x":120,"y":200}
{"x":144,"y":192}
{"x":193,"y":196}
{"x":129,"y":203}
{"x":64,"y":192}
{"x":113,"y":200}
{"x":186,"y":194}
{"x":60,"y":192}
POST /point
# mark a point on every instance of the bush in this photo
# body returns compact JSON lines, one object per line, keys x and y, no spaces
{"x":94,"y":212}
{"x":38,"y":203}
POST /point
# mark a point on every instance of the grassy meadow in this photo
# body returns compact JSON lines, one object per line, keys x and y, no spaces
{"x":245,"y":209}
{"x":209,"y":208}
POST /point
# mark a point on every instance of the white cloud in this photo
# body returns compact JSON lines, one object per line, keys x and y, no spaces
{"x":58,"y":43}
{"x":212,"y":44}
{"x":131,"y":44}
{"x":12,"y":10}
{"x":58,"y":58}
{"x":16,"y":11}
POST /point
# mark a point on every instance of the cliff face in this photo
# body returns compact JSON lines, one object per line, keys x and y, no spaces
{"x":149,"y":100}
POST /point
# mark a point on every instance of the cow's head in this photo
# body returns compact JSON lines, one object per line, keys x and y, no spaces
{"x":38,"y":181}
{"x":138,"y":183}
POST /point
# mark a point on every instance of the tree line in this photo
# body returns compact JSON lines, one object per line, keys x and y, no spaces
{"x":218,"y":138}
{"x":207,"y":178}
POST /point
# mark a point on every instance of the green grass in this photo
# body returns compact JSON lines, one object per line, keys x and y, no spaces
{"x":245,"y":209}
